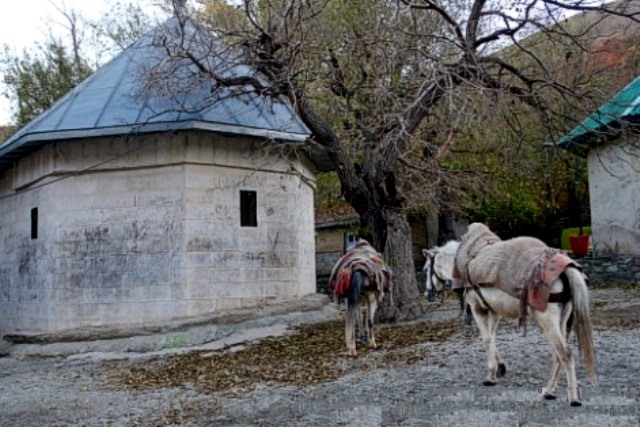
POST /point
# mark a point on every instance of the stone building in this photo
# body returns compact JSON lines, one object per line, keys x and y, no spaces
{"x":610,"y":140}
{"x":119,"y":207}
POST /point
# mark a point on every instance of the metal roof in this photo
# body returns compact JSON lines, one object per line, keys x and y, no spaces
{"x":606,"y":123}
{"x":123,"y":98}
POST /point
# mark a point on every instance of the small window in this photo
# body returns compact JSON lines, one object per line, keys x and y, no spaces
{"x":34,"y":223}
{"x":248,"y":208}
{"x":350,"y":240}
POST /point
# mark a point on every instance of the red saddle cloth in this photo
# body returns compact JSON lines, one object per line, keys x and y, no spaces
{"x":555,"y":265}
{"x":362,"y":257}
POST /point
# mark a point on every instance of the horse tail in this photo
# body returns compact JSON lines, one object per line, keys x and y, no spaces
{"x":582,"y":318}
{"x":358,"y":282}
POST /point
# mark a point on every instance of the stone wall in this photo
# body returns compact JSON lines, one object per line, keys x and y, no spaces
{"x":614,"y":195}
{"x":151,"y":236}
{"x":324,"y":264}
{"x":230,"y":266}
{"x":612,"y":270}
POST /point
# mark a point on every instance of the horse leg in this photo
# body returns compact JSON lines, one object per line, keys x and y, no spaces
{"x":494,"y":320}
{"x":487,"y":322}
{"x":465,"y":310}
{"x":350,"y":329}
{"x":496,"y":365}
{"x":362,"y":326}
{"x":468,"y":318}
{"x":460,"y":293}
{"x":549,"y":322}
{"x":372,"y":306}
{"x":358,"y":279}
{"x":549,"y":391}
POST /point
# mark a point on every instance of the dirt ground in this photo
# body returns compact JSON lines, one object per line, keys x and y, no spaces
{"x":293,"y":371}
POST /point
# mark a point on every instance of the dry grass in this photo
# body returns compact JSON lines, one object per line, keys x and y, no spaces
{"x":313,"y":354}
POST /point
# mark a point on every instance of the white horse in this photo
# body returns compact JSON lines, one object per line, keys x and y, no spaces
{"x":438,"y":274}
{"x":568,"y":306}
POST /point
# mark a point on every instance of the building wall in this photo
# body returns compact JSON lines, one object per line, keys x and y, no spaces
{"x":614,"y":172}
{"x":150,"y":236}
{"x":331,"y":239}
{"x":230,"y":266}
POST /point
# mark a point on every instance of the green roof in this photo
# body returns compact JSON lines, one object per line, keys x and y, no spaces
{"x":606,"y":123}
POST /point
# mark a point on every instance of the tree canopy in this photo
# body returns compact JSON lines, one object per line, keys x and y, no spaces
{"x":386,"y":87}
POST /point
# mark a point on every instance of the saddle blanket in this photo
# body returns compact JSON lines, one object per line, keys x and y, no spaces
{"x":523,"y":267}
{"x":361,"y":257}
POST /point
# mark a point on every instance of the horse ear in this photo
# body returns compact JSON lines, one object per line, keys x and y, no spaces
{"x":429,"y":252}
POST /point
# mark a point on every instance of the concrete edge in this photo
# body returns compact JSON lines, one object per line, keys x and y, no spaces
{"x":148,"y":338}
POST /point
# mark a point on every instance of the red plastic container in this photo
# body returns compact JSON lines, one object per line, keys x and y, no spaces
{"x":579,"y":244}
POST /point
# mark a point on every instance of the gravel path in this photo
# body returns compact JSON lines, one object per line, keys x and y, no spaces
{"x":442,"y":387}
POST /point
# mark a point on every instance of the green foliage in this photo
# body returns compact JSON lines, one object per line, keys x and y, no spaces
{"x":43,"y":73}
{"x":6,"y":132}
{"x":328,"y":191}
{"x":120,"y":27}
{"x":37,"y":80}
{"x":511,"y":208}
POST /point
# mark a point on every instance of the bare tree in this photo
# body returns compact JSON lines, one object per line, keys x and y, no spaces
{"x":372,"y":79}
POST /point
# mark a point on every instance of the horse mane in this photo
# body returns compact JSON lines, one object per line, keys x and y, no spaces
{"x":451,"y":247}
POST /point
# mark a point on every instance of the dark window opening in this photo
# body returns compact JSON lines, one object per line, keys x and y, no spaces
{"x":34,"y":223}
{"x":350,"y":240}
{"x":248,"y":208}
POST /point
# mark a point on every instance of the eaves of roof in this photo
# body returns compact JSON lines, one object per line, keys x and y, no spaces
{"x":621,"y":113}
{"x":335,"y":224}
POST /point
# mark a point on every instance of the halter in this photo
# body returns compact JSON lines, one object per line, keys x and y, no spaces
{"x":431,"y":296}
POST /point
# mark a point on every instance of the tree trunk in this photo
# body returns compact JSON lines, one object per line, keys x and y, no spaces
{"x":403,"y":303}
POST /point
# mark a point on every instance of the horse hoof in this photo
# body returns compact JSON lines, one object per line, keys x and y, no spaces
{"x":352,"y":353}
{"x":488,"y":383}
{"x":576,"y":403}
{"x":549,"y":396}
{"x":502,"y":369}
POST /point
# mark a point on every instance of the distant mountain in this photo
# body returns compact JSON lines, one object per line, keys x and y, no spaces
{"x":601,"y":25}
{"x":590,"y":51}
{"x":613,"y":42}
